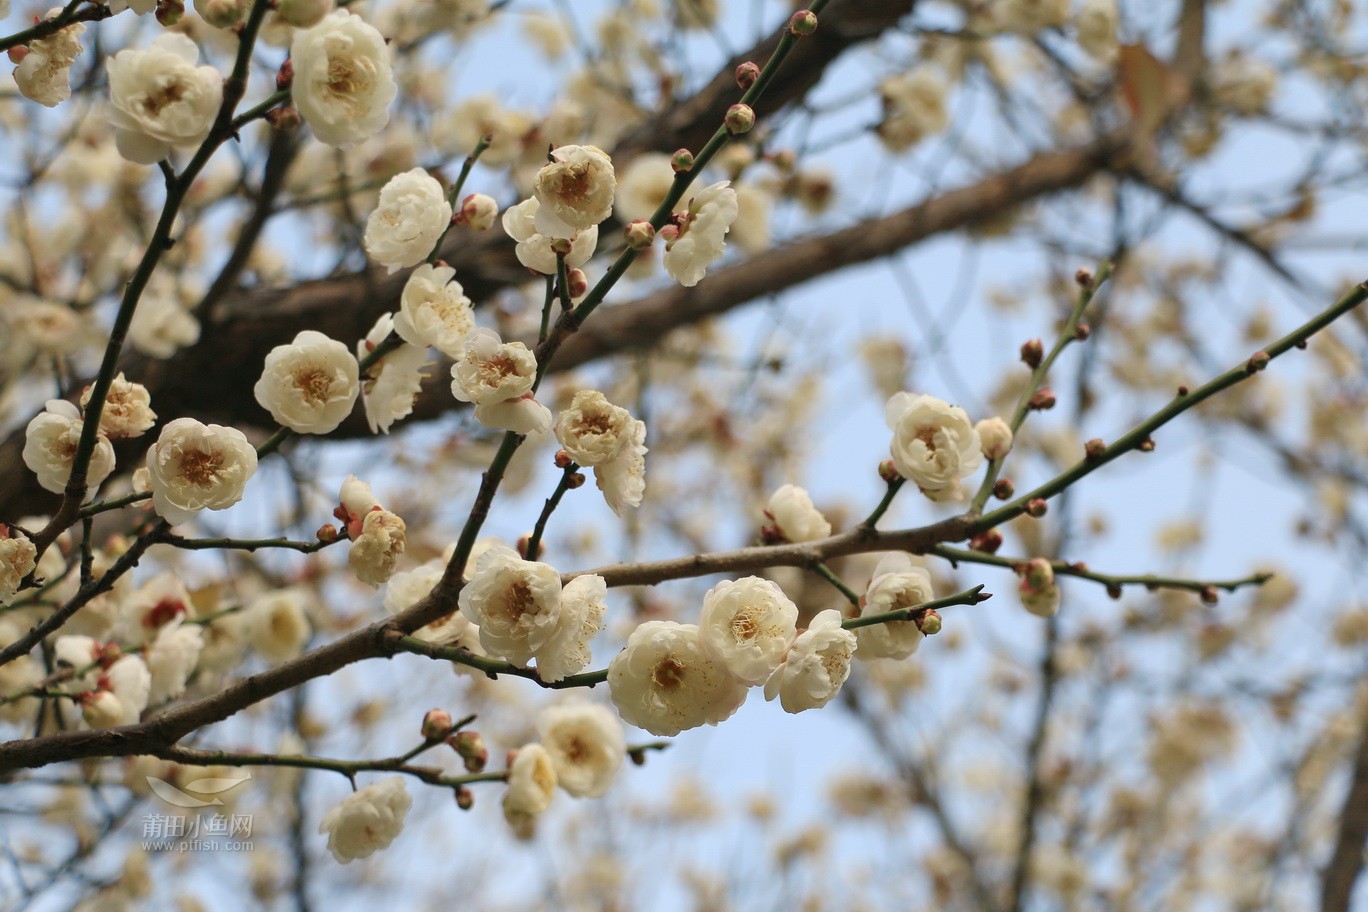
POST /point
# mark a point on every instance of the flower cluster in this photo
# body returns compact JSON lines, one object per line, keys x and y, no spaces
{"x":596,"y":433}
{"x":497,"y":377}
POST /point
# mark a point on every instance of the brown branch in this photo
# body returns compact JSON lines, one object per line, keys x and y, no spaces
{"x":1346,"y":861}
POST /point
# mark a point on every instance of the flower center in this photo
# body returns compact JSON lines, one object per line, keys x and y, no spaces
{"x":746,"y":624}
{"x":668,"y":674}
{"x":313,"y":382}
{"x":167,"y":95}
{"x":927,"y":436}
{"x":200,"y":467}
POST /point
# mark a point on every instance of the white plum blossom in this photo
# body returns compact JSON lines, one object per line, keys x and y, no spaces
{"x":44,"y":75}
{"x":515,"y":603}
{"x":575,"y":190}
{"x":159,"y":99}
{"x":478,"y":212}
{"x":355,"y":501}
{"x":309,"y":385}
{"x":586,"y":746}
{"x":491,"y":370}
{"x":531,"y":783}
{"x":582,"y":606}
{"x":796,"y":518}
{"x":913,"y":108}
{"x":1038,"y":590}
{"x":17,"y":555}
{"x":662,"y":681}
{"x":171,"y":658}
{"x":343,"y":82}
{"x":934,"y":444}
{"x":533,"y":249}
{"x":524,"y":415}
{"x":702,"y":234}
{"x":50,"y":442}
{"x":644,"y":185}
{"x":161,"y":325}
{"x":433,"y":310}
{"x":897,"y":583}
{"x":127,"y":408}
{"x":623,"y":478}
{"x":367,"y":820}
{"x":276,"y":624}
{"x":816,"y":666}
{"x":194,"y":467}
{"x":392,"y":383}
{"x":408,"y":221}
{"x":160,"y":601}
{"x":748,"y":625}
{"x":593,"y":430}
{"x":375,"y":552}
{"x":304,"y":14}
{"x":122,"y":695}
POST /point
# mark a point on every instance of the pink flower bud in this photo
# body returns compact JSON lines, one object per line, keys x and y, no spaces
{"x":682,"y":161}
{"x":740,"y":119}
{"x":436,"y":724}
{"x":479,"y":211}
{"x":746,"y":74}
{"x":471,"y":748}
{"x":803,"y":23}
{"x":640,"y":234}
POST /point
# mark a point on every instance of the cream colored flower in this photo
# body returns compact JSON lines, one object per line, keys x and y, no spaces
{"x":50,"y":442}
{"x":161,"y":325}
{"x":748,"y":625}
{"x":914,"y":107}
{"x":623,"y":478}
{"x":531,"y":782}
{"x":515,"y":603}
{"x":582,"y":606}
{"x":702,"y":236}
{"x":492,"y":370}
{"x":343,"y":82}
{"x":309,"y":385}
{"x":367,"y":820}
{"x":276,"y":624}
{"x":393,"y":383}
{"x":44,"y":75}
{"x":159,"y":99}
{"x":194,"y":467}
{"x":412,"y":214}
{"x":575,"y":190}
{"x":17,"y":555}
{"x":645,"y":184}
{"x":433,"y":310}
{"x":793,"y":513}
{"x":816,"y":666}
{"x":934,"y":444}
{"x":664,"y":682}
{"x":130,"y":683}
{"x":171,"y":658}
{"x":524,"y":415}
{"x":479,"y":211}
{"x":407,"y":588}
{"x":585,"y":744}
{"x":897,"y":583}
{"x":160,"y":601}
{"x":995,"y":438}
{"x":593,"y":430}
{"x":304,"y":14}
{"x":127,"y":409}
{"x":533,"y":249}
{"x":375,"y":553}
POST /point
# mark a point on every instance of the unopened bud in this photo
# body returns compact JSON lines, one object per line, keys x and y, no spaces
{"x":563,"y":459}
{"x":1084,"y":277}
{"x":326,"y":533}
{"x":740,"y":118}
{"x":1094,"y":449}
{"x":1082,"y":329}
{"x":1036,"y":507}
{"x":669,"y":234}
{"x":638,"y":757}
{"x":1039,"y":594}
{"x":465,"y":798}
{"x":1032,"y":353}
{"x":1146,"y":445}
{"x":640,"y":234}
{"x":929,"y":623}
{"x":17,"y":53}
{"x":304,"y":13}
{"x":285,"y":75}
{"x":987,"y":542}
{"x":1257,"y":362}
{"x":1209,"y":595}
{"x":682,"y":161}
{"x":524,"y":543}
{"x":1114,"y":590}
{"x":577,"y":283}
{"x":1042,"y":399}
{"x":888,"y":472}
{"x":995,"y":437}
{"x":1003,"y":489}
{"x":471,"y":748}
{"x":746,"y":74}
{"x":575,"y":481}
{"x":771,"y":534}
{"x":803,"y":23}
{"x":221,"y":14}
{"x":783,"y":159}
{"x":170,"y":12}
{"x":436,"y":724}
{"x":283,"y":118}
{"x":478,"y":211}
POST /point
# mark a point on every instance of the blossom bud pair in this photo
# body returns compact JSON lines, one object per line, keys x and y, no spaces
{"x":1038,"y":590}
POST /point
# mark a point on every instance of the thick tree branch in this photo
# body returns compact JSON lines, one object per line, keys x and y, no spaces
{"x":1346,"y":861}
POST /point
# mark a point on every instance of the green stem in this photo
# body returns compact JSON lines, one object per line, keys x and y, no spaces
{"x":534,"y":541}
{"x":825,"y":573}
{"x":872,"y":520}
{"x":454,"y":194}
{"x":1064,"y":568}
{"x":967,"y":597}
